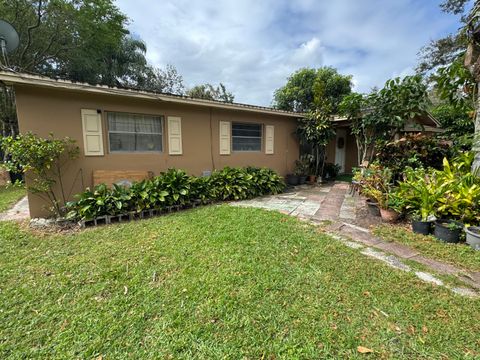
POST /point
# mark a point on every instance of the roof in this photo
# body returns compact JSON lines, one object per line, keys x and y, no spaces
{"x":17,"y":78}
{"x":426,"y":120}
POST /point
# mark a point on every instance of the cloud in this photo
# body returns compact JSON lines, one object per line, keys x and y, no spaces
{"x":253,"y":46}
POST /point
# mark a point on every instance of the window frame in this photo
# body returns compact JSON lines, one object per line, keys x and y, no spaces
{"x":162,"y":133}
{"x":247,"y":123}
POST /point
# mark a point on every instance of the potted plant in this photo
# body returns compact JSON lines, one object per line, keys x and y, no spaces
{"x":292,"y":179}
{"x":448,"y":231}
{"x":473,"y":237}
{"x":421,"y":193}
{"x":373,"y":208}
{"x":376,"y":186}
{"x":302,"y":167}
{"x":422,"y":224}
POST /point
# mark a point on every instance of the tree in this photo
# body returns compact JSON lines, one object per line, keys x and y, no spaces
{"x":81,"y":40}
{"x":444,"y":51}
{"x":46,"y":160}
{"x":316,"y":131}
{"x":308,"y":89}
{"x":209,"y":92}
{"x":450,"y":56}
{"x":166,"y":80}
{"x":382,"y":113}
{"x":472,"y":62}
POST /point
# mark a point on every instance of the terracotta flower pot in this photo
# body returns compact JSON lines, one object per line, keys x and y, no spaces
{"x":389,"y":215}
{"x":312,"y":179}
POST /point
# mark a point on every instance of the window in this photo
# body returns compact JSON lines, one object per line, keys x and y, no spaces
{"x":134,"y":132}
{"x":246,"y":137}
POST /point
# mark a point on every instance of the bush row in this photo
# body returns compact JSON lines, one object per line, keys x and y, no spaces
{"x":451,"y":193}
{"x":415,"y":151}
{"x":175,"y":187}
{"x":427,"y":193}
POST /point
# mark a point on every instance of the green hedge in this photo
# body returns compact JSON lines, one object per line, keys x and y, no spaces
{"x":175,"y":187}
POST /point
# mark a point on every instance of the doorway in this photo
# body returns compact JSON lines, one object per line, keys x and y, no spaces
{"x":340,"y":146}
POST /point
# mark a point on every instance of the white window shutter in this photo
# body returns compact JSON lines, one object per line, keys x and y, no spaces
{"x":269,"y":139}
{"x":175,"y":135}
{"x":92,"y":132}
{"x":225,"y":136}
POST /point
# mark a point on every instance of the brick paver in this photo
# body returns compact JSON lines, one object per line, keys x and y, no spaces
{"x":20,"y":211}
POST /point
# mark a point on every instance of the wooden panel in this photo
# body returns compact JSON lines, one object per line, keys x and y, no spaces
{"x":269,"y":139}
{"x":92,"y":132}
{"x":175,"y":135}
{"x":225,"y":132}
{"x":110,"y":177}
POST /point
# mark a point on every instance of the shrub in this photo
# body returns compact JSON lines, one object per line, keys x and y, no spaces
{"x":331,"y":170}
{"x":176,"y":183}
{"x":201,"y":189}
{"x":264,"y":181}
{"x":102,"y":200}
{"x":231,"y":184}
{"x":175,"y":187}
{"x":421,"y":191}
{"x":453,"y":192}
{"x":415,"y":151}
{"x":44,"y":161}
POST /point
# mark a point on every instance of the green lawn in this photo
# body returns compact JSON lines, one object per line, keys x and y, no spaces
{"x":9,"y":196}
{"x":460,"y":255}
{"x":344,"y":177}
{"x":218,"y":282}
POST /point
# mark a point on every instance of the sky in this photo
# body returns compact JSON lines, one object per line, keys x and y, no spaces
{"x":252,"y":46}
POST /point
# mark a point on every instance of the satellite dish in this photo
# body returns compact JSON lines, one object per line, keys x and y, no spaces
{"x":9,"y":39}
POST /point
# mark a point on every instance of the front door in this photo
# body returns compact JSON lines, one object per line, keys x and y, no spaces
{"x":340,"y":145}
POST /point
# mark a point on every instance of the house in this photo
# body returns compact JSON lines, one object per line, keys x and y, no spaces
{"x":126,"y":134}
{"x":342,"y":150}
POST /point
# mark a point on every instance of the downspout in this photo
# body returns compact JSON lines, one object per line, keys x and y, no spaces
{"x":211,"y":140}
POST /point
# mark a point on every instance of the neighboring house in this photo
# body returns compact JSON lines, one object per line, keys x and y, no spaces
{"x":127,"y":135}
{"x":342,"y":150}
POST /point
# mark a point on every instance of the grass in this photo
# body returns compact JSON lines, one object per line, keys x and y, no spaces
{"x":218,"y":282}
{"x":344,"y":177}
{"x":460,"y":255}
{"x":9,"y":196}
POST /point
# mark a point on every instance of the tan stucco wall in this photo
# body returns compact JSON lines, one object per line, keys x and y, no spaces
{"x":45,"y":111}
{"x":351,"y":155}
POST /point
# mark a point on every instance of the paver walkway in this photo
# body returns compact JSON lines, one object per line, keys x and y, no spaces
{"x":327,"y":202}
{"x":19,"y":211}
{"x":348,"y":220}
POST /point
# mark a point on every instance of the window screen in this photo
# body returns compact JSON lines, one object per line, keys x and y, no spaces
{"x":134,"y":132}
{"x":246,"y":137}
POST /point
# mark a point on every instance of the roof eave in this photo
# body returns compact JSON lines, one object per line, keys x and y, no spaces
{"x":11,"y":78}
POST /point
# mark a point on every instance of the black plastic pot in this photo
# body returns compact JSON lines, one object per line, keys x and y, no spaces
{"x":292,"y":179}
{"x":422,"y":227}
{"x":14,"y":177}
{"x":373,"y":208}
{"x":302,"y":179}
{"x":442,"y":232}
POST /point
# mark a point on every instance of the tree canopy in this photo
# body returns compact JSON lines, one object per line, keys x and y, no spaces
{"x":309,"y":89}
{"x":80,"y":40}
{"x":380,"y":114}
{"x":444,"y":51}
{"x":210,"y":92}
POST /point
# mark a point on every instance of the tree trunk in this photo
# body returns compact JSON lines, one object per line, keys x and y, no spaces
{"x":476,"y":139}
